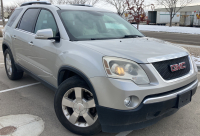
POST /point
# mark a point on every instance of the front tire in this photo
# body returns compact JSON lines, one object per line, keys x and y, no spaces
{"x":75,"y":107}
{"x":11,"y":70}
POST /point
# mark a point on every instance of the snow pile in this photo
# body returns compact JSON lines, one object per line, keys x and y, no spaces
{"x":196,"y":60}
{"x":194,"y":51}
{"x":174,"y":29}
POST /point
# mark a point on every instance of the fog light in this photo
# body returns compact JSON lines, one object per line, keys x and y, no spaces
{"x":127,"y":101}
{"x":131,"y":102}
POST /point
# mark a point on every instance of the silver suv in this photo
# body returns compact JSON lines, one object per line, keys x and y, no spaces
{"x":107,"y":76}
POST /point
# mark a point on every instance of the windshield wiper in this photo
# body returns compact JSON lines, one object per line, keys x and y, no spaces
{"x":126,"y":36}
{"x":99,"y":38}
{"x":132,"y":36}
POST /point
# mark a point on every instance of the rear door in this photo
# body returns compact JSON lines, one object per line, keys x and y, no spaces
{"x":23,"y":37}
{"x":8,"y":30}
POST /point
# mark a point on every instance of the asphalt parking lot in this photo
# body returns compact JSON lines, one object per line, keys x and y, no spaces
{"x":179,"y":38}
{"x":16,"y":98}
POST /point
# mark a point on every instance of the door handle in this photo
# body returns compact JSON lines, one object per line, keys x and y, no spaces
{"x":31,"y":43}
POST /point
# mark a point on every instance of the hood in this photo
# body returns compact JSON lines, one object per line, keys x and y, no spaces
{"x":136,"y":49}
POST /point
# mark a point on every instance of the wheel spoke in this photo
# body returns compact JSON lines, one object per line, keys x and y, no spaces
{"x":78,"y":92}
{"x":10,"y":70}
{"x":91,"y":103}
{"x":88,"y":118}
{"x":8,"y":61}
{"x":8,"y":67}
{"x":73,"y":118}
{"x":67,"y":102}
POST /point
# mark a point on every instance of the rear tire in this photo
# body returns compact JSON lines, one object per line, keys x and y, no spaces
{"x":11,"y":70}
{"x":74,"y":116}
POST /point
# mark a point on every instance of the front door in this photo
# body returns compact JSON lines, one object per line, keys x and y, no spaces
{"x":45,"y":51}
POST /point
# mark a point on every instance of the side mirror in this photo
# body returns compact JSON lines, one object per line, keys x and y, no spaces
{"x":44,"y":34}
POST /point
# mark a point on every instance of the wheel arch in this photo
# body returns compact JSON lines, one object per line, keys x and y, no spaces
{"x":65,"y":69}
{"x":5,"y":46}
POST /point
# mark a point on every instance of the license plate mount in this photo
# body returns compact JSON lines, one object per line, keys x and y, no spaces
{"x":184,"y":98}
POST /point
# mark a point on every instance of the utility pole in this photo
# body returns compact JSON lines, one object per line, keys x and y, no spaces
{"x":2,"y":13}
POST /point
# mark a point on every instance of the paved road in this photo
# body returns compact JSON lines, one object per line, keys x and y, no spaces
{"x":175,"y":37}
{"x":38,"y":100}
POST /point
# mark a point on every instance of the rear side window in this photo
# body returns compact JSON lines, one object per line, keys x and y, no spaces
{"x":28,"y":20}
{"x":14,"y":17}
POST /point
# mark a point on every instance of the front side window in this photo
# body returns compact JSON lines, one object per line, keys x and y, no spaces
{"x":91,"y":25}
{"x":28,"y":20}
{"x":46,"y":21}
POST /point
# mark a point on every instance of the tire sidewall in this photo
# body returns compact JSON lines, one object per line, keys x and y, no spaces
{"x":64,"y":87}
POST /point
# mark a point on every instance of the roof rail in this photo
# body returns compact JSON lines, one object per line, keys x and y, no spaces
{"x":81,"y":5}
{"x":36,"y":2}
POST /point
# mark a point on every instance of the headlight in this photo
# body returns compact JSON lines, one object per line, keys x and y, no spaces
{"x":125,"y":69}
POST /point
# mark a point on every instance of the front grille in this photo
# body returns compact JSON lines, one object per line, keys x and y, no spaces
{"x":163,"y":68}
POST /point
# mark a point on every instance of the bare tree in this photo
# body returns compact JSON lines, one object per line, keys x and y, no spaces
{"x":85,"y":2}
{"x":173,"y":6}
{"x":9,"y":9}
{"x":120,"y":5}
{"x":152,"y":6}
{"x":136,"y":11}
{"x":18,"y":3}
{"x":52,"y":1}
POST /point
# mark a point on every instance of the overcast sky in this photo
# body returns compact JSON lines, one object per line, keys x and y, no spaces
{"x":106,"y":6}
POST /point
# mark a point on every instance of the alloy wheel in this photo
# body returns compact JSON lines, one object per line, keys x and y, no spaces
{"x":8,"y":65}
{"x":79,"y":107}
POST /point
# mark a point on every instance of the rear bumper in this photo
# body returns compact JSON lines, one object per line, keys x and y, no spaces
{"x":114,"y":121}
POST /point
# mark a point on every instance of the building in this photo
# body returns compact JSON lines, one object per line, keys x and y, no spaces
{"x":184,"y":17}
{"x":185,"y":9}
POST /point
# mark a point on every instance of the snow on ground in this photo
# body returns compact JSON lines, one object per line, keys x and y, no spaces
{"x":174,"y":29}
{"x":196,"y":60}
{"x":5,"y":20}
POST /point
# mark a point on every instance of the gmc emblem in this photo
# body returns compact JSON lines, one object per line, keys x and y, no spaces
{"x":177,"y":67}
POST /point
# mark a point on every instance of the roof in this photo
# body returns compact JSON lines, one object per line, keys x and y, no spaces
{"x":75,"y":7}
{"x":186,"y":9}
{"x":35,"y":2}
{"x":62,"y":7}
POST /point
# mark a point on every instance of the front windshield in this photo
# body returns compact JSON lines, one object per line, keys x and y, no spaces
{"x":93,"y":25}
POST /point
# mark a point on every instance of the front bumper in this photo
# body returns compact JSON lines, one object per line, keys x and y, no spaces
{"x":111,"y":93}
{"x":114,"y":121}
